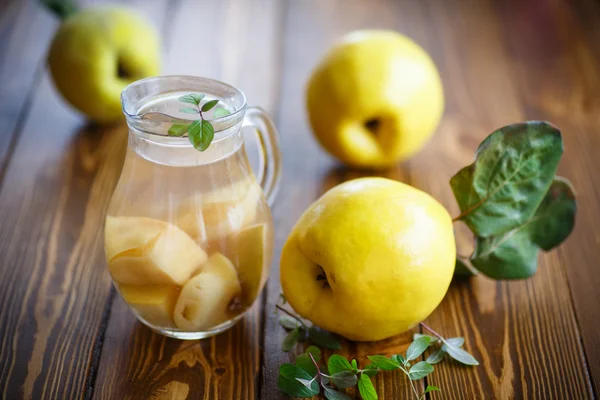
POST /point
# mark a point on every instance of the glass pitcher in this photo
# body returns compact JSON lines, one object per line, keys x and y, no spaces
{"x":188,"y":233}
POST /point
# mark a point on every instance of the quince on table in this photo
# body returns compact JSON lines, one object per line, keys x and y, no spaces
{"x":370,"y":259}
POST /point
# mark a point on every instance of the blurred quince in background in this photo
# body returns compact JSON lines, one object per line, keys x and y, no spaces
{"x":375,"y":99}
{"x":97,"y":52}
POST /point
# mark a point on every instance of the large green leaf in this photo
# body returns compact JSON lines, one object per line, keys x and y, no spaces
{"x":462,"y":270}
{"x":555,"y":218}
{"x":514,"y":254}
{"x":510,"y":256}
{"x":512,"y":172}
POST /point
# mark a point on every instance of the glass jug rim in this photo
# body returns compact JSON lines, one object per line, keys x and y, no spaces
{"x":157,"y":85}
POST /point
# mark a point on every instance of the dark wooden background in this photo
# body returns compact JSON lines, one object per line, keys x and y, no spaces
{"x":63,"y":332}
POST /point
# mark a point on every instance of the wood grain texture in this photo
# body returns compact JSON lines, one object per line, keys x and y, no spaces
{"x":560,"y":82}
{"x":240,"y":47}
{"x":524,"y":332}
{"x":25,"y":32}
{"x":53,"y":291}
{"x":54,"y":287}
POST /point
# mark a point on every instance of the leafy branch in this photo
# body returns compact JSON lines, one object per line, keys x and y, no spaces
{"x":513,"y":202}
{"x":200,"y":132}
{"x":307,"y":378}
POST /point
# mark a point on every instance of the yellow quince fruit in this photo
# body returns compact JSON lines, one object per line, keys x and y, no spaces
{"x":96,"y":53}
{"x":375,"y":99}
{"x":370,"y":259}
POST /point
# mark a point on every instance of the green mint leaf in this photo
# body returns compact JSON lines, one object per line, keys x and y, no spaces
{"x":288,"y":322}
{"x":399,"y":358}
{"x":195,"y":133}
{"x":337,"y":363}
{"x":306,"y":382}
{"x":188,"y":110}
{"x":209,"y":104}
{"x":456,"y":341}
{"x":436,"y":357}
{"x":432,"y":339}
{"x":513,"y":169}
{"x":288,"y":383}
{"x":370,"y":370}
{"x":366,"y":389}
{"x":459,"y":354}
{"x":384,"y":363}
{"x":208,"y":133}
{"x":220,"y":112}
{"x":417,"y":347}
{"x":192,"y":98}
{"x":431,"y":388}
{"x":354,"y":364}
{"x":420,"y":370}
{"x":178,"y":129}
{"x":290,"y":340}
{"x":332,"y":394}
{"x":323,"y":338}
{"x":344,"y":379}
{"x":315,"y":351}
{"x":514,"y":255}
{"x":463,"y":270}
{"x":303,"y":361}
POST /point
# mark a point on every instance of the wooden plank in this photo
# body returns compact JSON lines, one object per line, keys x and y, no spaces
{"x":53,"y":290}
{"x":237,"y":43}
{"x":556,"y":69}
{"x":524,"y":332}
{"x":26,"y":29}
{"x":53,"y":287}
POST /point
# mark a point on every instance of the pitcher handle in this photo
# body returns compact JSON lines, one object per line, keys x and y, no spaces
{"x":269,"y":173}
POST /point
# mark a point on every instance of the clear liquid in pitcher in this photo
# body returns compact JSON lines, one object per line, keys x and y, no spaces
{"x":188,"y":247}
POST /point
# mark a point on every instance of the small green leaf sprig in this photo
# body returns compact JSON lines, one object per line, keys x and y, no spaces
{"x":300,"y":331}
{"x":513,"y":202}
{"x":306,"y":378}
{"x":200,"y":132}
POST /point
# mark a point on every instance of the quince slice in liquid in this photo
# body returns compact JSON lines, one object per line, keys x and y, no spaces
{"x":169,"y":257}
{"x":154,"y":303}
{"x":251,"y":255}
{"x":205,"y":299}
{"x":207,"y":217}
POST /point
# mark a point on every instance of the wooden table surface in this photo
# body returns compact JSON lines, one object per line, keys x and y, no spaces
{"x":63,"y":332}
